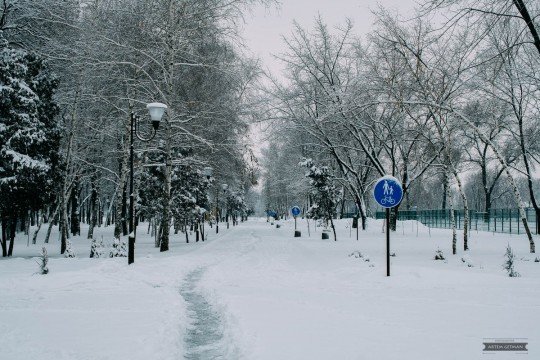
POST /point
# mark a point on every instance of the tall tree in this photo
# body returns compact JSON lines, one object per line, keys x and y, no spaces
{"x":29,"y":136}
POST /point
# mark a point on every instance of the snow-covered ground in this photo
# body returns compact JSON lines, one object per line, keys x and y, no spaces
{"x":256,"y":292}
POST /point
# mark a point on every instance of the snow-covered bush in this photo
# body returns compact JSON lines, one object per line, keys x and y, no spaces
{"x":43,"y":261}
{"x":358,"y":255}
{"x":439,"y":255}
{"x":97,"y":248}
{"x":119,"y":248}
{"x":509,"y":262}
{"x":69,"y":253}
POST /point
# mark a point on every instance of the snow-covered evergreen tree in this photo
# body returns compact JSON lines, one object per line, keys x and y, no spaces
{"x":119,"y":248}
{"x":439,"y":255}
{"x":325,"y":196}
{"x":29,"y":136}
{"x":97,"y":248}
{"x":43,"y":262}
{"x":69,"y":253}
{"x":189,"y":191}
{"x":235,"y":203}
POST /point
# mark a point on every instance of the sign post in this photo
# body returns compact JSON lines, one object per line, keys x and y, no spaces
{"x":388,"y":193}
{"x":295,"y":211}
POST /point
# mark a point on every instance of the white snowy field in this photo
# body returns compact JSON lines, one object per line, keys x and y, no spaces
{"x":256,"y":292}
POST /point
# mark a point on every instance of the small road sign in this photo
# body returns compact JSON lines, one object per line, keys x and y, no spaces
{"x":295,"y":211}
{"x":388,"y":193}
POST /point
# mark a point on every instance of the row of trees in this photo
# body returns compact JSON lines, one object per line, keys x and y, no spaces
{"x":65,"y":137}
{"x":449,"y":109}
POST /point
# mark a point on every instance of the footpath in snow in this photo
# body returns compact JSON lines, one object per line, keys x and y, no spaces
{"x":256,"y":292}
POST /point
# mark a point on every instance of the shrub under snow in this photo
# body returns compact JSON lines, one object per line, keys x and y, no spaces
{"x":69,"y":253}
{"x":439,"y":255}
{"x":509,"y":262}
{"x":97,"y":249}
{"x":119,"y":248}
{"x":43,"y":261}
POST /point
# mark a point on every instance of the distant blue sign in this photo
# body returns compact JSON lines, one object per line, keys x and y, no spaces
{"x":295,"y":211}
{"x":388,"y":192}
{"x":271,"y":213}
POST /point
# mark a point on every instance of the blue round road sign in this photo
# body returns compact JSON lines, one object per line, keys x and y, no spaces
{"x":295,"y":211}
{"x":388,"y":192}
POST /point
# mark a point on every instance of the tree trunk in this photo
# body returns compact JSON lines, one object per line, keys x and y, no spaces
{"x":522,"y":213}
{"x":124,"y":212}
{"x":393,"y":217}
{"x":342,"y":210}
{"x":157,"y":232}
{"x":466,"y":211}
{"x":25,"y":223}
{"x":3,"y":241}
{"x":487,"y":207}
{"x":119,"y":221}
{"x":52,"y":220}
{"x":201,"y":227}
{"x":165,"y":221}
{"x":94,"y":208}
{"x":363,"y":212}
{"x":12,"y":233}
{"x":524,"y":12}
{"x":176,"y":226}
{"x":333,"y":228}
{"x":75,"y":223}
{"x":63,"y":222}
{"x":530,"y":185}
{"x":445,"y":191}
{"x":169,"y":118}
{"x":39,"y":222}
{"x":537,"y":214}
{"x":452,"y":222}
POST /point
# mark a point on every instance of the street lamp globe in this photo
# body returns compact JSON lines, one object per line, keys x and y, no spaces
{"x":156,"y":111}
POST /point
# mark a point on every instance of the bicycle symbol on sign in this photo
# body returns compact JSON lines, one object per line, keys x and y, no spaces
{"x":388,"y":200}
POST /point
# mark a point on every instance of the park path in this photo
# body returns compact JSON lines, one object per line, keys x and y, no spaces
{"x":204,"y":337}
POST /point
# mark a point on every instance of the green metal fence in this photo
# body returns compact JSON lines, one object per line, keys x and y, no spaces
{"x":498,"y":220}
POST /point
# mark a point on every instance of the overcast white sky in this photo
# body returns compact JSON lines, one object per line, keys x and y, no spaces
{"x":264,"y":27}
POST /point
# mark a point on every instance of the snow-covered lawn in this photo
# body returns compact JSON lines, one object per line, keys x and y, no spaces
{"x":256,"y":292}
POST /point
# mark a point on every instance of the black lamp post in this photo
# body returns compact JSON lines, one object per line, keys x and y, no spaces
{"x":225,"y":187}
{"x":217,"y":210}
{"x":156,"y":111}
{"x":207,"y":171}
